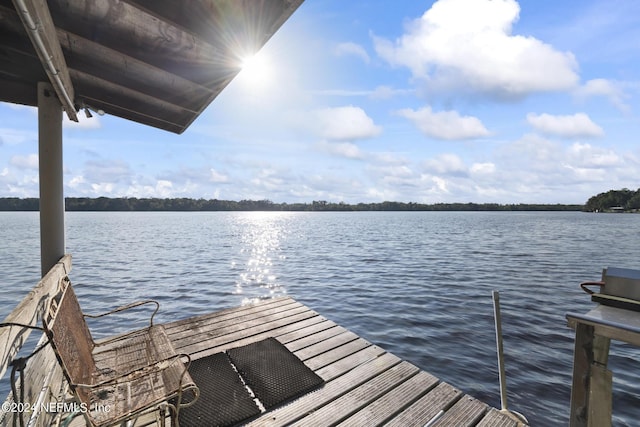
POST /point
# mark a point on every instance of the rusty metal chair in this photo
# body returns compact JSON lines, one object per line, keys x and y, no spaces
{"x":121,"y":378}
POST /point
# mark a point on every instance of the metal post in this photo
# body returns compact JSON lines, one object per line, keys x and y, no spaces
{"x":501,"y":370}
{"x":52,"y":245}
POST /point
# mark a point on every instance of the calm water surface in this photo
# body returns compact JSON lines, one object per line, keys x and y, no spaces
{"x":416,"y":283}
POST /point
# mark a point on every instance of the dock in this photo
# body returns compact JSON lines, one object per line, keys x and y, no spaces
{"x":364,"y":385}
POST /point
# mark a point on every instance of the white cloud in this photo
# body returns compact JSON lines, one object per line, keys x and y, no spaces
{"x":76,"y":181}
{"x":354,"y":49}
{"x":587,"y":156}
{"x":15,"y":136}
{"x":447,"y":125}
{"x":347,"y":123}
{"x":102,"y":188}
{"x":468,"y":44}
{"x":446,"y":164}
{"x":578,"y":125}
{"x":341,"y":149}
{"x":25,"y":162}
{"x":603,"y":88}
{"x":218,"y":177}
{"x":483,"y":168}
{"x":107,"y":170}
{"x":164,"y":188}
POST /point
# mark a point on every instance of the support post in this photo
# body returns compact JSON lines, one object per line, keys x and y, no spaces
{"x":52,"y":245}
{"x":592,"y":382}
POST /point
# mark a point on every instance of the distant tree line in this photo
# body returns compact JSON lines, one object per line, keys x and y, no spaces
{"x":614,"y":200}
{"x":186,"y":204}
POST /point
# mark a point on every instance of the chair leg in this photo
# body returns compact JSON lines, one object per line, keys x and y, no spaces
{"x":162,"y":415}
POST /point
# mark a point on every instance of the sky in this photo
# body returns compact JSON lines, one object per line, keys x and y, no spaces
{"x":485,"y":101}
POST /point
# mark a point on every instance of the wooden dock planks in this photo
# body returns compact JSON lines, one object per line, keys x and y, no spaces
{"x":365,"y":386}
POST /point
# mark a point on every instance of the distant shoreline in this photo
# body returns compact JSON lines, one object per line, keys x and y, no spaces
{"x":106,"y":204}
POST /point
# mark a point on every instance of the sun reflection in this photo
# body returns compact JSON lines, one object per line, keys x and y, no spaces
{"x":261,"y":234}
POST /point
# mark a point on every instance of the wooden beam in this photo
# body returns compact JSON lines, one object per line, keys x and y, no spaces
{"x":130,"y":104}
{"x":29,"y":312}
{"x":92,"y":58}
{"x":18,"y":93}
{"x":133,"y":32}
{"x":39,"y":26}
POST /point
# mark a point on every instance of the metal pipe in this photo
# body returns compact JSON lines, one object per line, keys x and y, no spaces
{"x":501,"y":370}
{"x":40,"y":47}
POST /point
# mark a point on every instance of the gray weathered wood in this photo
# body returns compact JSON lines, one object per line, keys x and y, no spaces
{"x":228,"y":313}
{"x":45,"y":41}
{"x":309,"y":340}
{"x":202,"y":331}
{"x":441,"y":398}
{"x":495,"y":418}
{"x":352,"y":402}
{"x":337,"y":353}
{"x":466,"y":412}
{"x":238,"y":332}
{"x":337,"y":368}
{"x":380,"y":410}
{"x":600,"y":397}
{"x":364,"y":385}
{"x":219,"y":326}
{"x":29,"y":312}
{"x":327,"y":345}
{"x":333,"y":389}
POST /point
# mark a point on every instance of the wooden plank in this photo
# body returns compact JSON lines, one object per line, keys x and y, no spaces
{"x":353,"y":401}
{"x":329,"y":392}
{"x":205,"y":332}
{"x":338,"y":353}
{"x":308,"y":336}
{"x":43,"y":383}
{"x":428,"y":407}
{"x":582,"y":358}
{"x":29,"y":312}
{"x":99,"y":92}
{"x":380,"y":410}
{"x":600,"y":396}
{"x":228,"y":313}
{"x":265,"y":17}
{"x":341,"y":366}
{"x":326,"y":345}
{"x":257,"y":337}
{"x":465,"y":413}
{"x":93,"y":58}
{"x":495,"y":418}
{"x":131,"y":31}
{"x":238,"y":332}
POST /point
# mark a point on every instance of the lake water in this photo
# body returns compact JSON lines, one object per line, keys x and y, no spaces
{"x":416,"y":283}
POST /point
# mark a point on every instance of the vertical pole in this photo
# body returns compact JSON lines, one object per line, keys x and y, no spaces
{"x":52,"y":245}
{"x":500,"y":350}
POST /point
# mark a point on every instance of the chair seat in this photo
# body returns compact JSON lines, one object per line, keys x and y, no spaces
{"x":154,"y":373}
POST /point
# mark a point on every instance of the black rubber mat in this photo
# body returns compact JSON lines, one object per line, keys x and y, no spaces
{"x":274,"y":373}
{"x":223,"y":401}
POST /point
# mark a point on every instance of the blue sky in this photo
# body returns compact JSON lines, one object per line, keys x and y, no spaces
{"x":371,"y":100}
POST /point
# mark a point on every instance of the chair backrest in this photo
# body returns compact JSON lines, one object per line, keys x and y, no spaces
{"x":621,"y":282}
{"x":71,"y":339}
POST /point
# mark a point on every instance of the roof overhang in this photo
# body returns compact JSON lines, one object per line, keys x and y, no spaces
{"x":156,"y":62}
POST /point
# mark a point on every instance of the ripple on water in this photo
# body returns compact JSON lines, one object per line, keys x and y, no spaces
{"x":416,"y":283}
